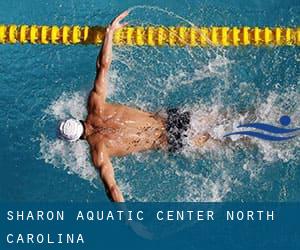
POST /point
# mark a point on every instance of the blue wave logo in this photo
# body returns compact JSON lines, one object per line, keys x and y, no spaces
{"x":279,"y":133}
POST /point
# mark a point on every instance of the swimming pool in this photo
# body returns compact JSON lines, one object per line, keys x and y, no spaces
{"x":42,"y":84}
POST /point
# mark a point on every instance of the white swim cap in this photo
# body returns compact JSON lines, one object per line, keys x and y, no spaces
{"x":70,"y":130}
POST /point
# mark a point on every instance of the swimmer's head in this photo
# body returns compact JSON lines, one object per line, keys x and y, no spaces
{"x":70,"y":130}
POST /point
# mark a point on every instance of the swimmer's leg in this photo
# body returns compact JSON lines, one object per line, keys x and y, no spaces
{"x":200,"y":140}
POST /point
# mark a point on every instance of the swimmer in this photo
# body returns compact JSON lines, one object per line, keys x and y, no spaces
{"x":114,"y":130}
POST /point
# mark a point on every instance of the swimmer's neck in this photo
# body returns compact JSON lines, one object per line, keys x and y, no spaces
{"x":88,"y":130}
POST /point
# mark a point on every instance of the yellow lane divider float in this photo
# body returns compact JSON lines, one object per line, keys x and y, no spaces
{"x":152,"y":36}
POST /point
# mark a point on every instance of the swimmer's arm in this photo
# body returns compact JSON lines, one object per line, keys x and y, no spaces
{"x":105,"y":56}
{"x":103,"y":164}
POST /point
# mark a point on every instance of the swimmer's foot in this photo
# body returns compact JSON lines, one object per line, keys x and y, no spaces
{"x":200,"y":140}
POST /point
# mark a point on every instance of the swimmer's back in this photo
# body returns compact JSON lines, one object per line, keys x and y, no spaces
{"x":126,"y":130}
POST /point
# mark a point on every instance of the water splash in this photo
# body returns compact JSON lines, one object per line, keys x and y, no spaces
{"x":192,"y":185}
{"x":215,"y":85}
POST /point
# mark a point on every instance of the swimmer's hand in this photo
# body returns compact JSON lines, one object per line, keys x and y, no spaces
{"x":115,"y":24}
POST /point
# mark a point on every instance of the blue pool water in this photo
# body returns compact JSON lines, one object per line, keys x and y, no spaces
{"x":42,"y":84}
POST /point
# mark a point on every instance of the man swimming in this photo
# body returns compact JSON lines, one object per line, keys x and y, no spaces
{"x":117,"y":130}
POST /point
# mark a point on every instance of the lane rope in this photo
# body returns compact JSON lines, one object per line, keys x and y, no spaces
{"x":152,"y":35}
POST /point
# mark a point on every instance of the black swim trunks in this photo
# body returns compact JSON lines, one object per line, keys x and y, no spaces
{"x":177,"y":125}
